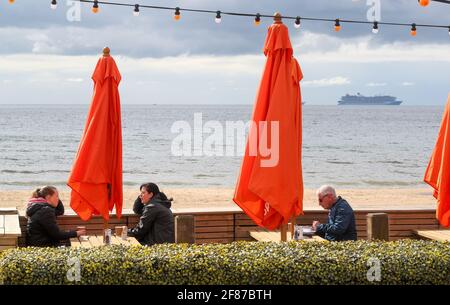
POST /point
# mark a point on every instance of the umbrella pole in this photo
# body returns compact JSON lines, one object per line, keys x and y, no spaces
{"x":105,"y":226}
{"x":284,"y":232}
{"x":293,"y":223}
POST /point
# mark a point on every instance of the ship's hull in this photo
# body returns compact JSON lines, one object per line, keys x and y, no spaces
{"x":375,"y":103}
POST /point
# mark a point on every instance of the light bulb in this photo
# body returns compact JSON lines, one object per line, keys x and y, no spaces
{"x":53,"y":5}
{"x":375,"y":28}
{"x":218,"y":17}
{"x":136,"y":10}
{"x":257,"y":19}
{"x":95,"y":8}
{"x":297,"y":23}
{"x":337,"y":25}
{"x":177,"y":15}
{"x":413,"y":30}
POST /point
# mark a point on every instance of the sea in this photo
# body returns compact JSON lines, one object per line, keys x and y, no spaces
{"x":346,"y":146}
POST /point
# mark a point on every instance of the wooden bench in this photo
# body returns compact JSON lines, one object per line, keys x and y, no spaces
{"x":9,"y":228}
{"x":275,"y":236}
{"x":97,"y":241}
{"x":439,"y":235}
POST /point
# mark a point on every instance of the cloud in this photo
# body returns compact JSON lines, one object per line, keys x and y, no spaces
{"x":367,"y":49}
{"x":179,"y":65}
{"x":75,"y":80}
{"x":371,"y":84}
{"x":327,"y":82}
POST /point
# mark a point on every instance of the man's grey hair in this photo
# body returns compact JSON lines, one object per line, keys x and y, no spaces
{"x":325,"y":190}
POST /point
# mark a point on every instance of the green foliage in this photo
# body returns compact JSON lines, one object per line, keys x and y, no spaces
{"x":298,"y":263}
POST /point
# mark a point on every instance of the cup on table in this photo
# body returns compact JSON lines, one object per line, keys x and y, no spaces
{"x":124,"y":232}
{"x":82,"y":237}
{"x":298,"y":232}
{"x":119,"y":231}
{"x":107,"y":236}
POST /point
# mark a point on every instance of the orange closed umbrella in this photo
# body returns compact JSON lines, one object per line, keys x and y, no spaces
{"x":270,"y":194}
{"x":438,"y":171}
{"x":96,"y":177}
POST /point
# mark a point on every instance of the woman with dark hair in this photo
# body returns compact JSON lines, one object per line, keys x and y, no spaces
{"x":156,"y":224}
{"x":42,"y":209}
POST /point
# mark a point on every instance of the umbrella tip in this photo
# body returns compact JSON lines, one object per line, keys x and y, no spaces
{"x":106,"y":51}
{"x":277,"y":18}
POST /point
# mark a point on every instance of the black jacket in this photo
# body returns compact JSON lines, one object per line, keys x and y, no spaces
{"x":341,"y":223}
{"x":42,"y":229}
{"x":156,"y":224}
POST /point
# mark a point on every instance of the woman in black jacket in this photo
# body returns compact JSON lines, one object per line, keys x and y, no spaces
{"x":42,"y":229}
{"x":156,"y":223}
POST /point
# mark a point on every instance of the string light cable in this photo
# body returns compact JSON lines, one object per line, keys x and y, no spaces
{"x":218,"y":15}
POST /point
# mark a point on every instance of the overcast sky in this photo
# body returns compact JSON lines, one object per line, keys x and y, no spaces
{"x":45,"y":58}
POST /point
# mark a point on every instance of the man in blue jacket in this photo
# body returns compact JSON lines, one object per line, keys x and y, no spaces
{"x":341,"y":224}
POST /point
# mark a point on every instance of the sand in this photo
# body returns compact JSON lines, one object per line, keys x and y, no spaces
{"x":191,"y":198}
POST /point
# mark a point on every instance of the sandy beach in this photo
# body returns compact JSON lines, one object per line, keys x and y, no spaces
{"x":222,"y":198}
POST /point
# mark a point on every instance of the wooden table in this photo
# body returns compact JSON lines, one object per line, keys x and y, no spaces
{"x":440,"y":235}
{"x":97,"y":241}
{"x":275,"y":236}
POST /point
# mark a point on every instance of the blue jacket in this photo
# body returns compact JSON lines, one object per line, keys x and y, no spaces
{"x":341,"y":223}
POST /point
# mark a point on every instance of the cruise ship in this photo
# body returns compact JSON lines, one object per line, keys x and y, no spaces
{"x":359,"y":99}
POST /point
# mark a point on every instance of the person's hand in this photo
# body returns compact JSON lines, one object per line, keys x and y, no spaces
{"x":315,"y":224}
{"x":81,"y":232}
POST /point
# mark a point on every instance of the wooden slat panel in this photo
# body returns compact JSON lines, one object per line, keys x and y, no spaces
{"x":403,"y":227}
{"x":8,"y":241}
{"x":77,"y":221}
{"x":214,"y":217}
{"x":6,"y":247}
{"x":214,"y":235}
{"x":241,"y":216}
{"x":88,"y":227}
{"x":218,"y":223}
{"x":245,"y":223}
{"x":240,"y":235}
{"x":401,"y":233}
{"x":133,"y":219}
{"x":413,"y":221}
{"x":413,"y":216}
{"x":213,"y":229}
{"x":209,"y":241}
{"x":246,"y":238}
